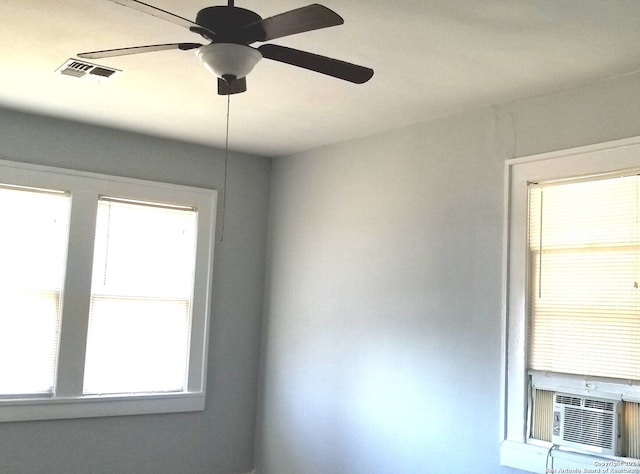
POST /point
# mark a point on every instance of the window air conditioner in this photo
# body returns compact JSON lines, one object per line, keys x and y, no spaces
{"x":591,"y":424}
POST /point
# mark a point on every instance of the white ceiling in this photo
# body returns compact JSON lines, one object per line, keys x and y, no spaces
{"x":431,"y":58}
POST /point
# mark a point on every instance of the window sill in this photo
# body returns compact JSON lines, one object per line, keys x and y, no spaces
{"x":99,"y":406}
{"x":536,"y":458}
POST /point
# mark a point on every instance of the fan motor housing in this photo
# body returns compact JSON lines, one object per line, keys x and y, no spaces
{"x":225,"y":21}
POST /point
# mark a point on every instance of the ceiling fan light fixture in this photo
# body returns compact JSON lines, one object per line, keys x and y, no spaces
{"x":229,"y":59}
{"x":231,"y":30}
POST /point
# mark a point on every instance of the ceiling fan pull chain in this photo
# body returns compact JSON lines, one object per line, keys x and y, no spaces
{"x":226,"y":166}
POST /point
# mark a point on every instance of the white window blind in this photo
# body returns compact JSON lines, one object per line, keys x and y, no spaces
{"x":33,"y":249}
{"x":584,"y":248}
{"x":141,"y":298}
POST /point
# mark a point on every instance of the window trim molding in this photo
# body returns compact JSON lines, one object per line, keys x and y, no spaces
{"x":597,"y":159}
{"x":47,"y":408}
{"x":68,"y":400}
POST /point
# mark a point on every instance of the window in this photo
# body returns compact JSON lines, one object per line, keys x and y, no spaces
{"x":572,"y":271}
{"x":104,"y":294}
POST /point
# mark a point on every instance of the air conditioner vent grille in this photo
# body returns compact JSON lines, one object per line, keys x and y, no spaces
{"x":598,"y":404}
{"x":568,"y":400}
{"x":588,"y":427}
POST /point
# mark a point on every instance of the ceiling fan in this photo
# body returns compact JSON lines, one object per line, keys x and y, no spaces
{"x":231,"y":30}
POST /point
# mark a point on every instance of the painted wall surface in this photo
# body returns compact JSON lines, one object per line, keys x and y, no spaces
{"x":220,"y":439}
{"x":382,"y":333}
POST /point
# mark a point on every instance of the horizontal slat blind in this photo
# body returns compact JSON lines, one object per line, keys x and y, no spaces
{"x":583,"y":278}
{"x":142,"y":287}
{"x":33,"y":248}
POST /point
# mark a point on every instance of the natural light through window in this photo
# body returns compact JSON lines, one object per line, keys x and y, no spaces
{"x":141,"y":298}
{"x":584,"y":241}
{"x":33,"y":247}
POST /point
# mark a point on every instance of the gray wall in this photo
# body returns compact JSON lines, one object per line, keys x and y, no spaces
{"x":382,"y":333}
{"x":220,"y":439}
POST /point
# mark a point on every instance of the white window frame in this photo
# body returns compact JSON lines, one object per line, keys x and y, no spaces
{"x":67,"y":400}
{"x":610,"y":158}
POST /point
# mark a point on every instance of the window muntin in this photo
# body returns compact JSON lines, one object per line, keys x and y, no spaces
{"x":33,"y":247}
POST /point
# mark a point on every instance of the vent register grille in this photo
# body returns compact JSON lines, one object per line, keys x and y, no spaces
{"x":85,"y":70}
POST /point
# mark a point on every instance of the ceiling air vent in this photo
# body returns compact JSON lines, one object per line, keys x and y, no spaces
{"x":85,"y":70}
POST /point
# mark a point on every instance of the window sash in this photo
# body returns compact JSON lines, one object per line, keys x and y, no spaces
{"x":130,"y":250}
{"x":137,"y":345}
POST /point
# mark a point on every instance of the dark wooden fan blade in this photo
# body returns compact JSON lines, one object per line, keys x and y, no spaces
{"x":311,"y":17}
{"x":234,"y":87}
{"x":109,"y":53}
{"x":322,"y":64}
{"x":165,"y":15}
